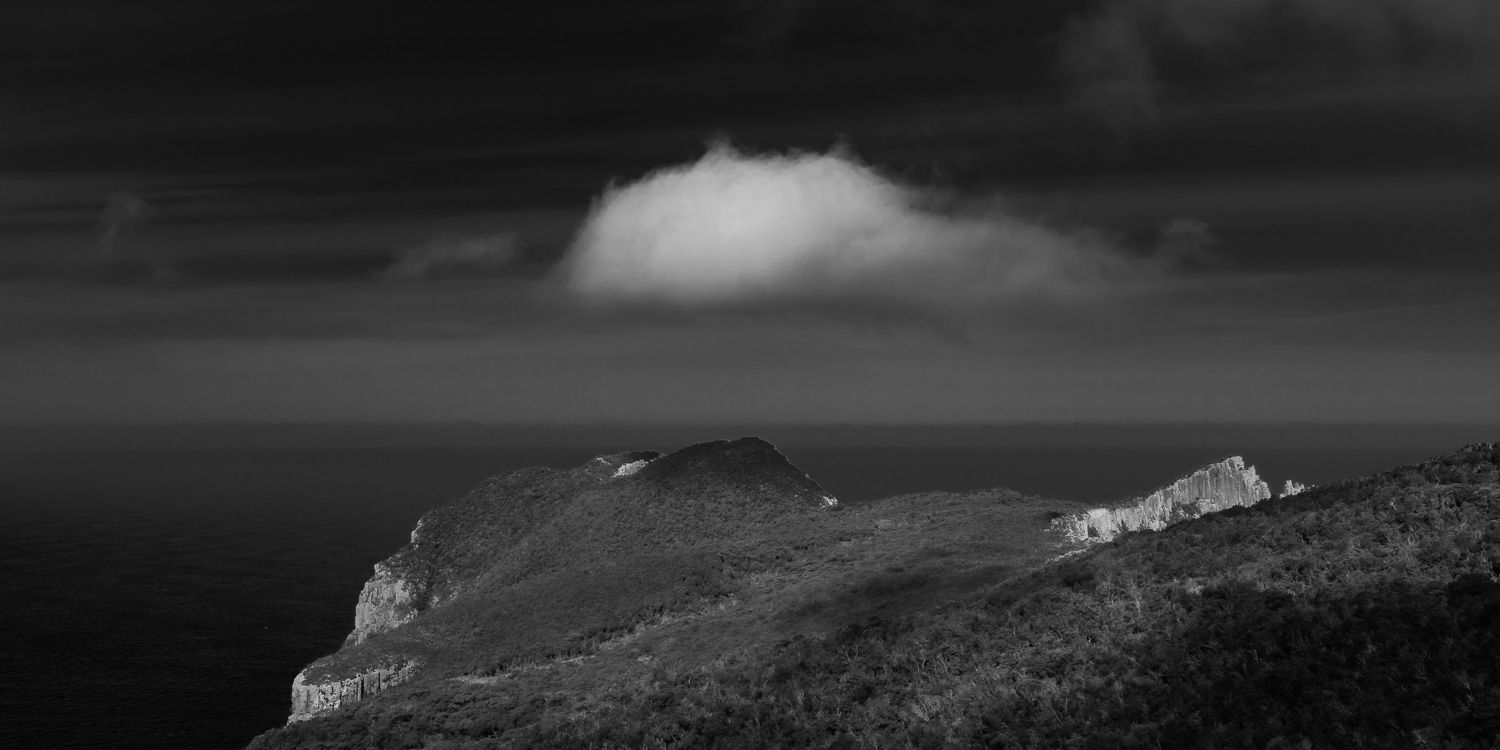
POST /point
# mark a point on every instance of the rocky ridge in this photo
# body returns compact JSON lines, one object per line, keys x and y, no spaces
{"x":1224,"y":484}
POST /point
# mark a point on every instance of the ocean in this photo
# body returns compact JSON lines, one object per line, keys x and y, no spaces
{"x":163,"y":599}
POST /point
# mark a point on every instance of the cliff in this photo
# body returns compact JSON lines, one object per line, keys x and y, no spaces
{"x":1220,"y":485}
{"x":313,"y":699}
{"x":387,"y":601}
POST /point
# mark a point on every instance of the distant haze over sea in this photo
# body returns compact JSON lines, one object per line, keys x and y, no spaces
{"x":1433,"y":437}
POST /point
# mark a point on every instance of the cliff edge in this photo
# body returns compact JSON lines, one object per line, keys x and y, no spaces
{"x":1217,"y":486}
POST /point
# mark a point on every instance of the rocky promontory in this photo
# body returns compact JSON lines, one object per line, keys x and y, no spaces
{"x":538,"y":564}
{"x":512,"y":537}
{"x":1223,"y":484}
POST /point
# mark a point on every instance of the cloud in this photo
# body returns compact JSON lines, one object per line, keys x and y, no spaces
{"x":736,"y":230}
{"x":1119,"y":56}
{"x":452,"y":256}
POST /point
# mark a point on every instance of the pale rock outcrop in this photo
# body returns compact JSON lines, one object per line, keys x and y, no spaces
{"x":1220,"y":485}
{"x":387,"y":601}
{"x":311,"y":699}
{"x":626,"y":470}
{"x":1293,"y":487}
{"x":618,"y":465}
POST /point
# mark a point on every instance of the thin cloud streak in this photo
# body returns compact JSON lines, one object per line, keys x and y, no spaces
{"x":453,"y":256}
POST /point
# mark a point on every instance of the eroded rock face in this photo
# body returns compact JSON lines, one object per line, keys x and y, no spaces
{"x":387,"y":601}
{"x":1292,"y":487}
{"x":1221,"y":485}
{"x":630,"y":469}
{"x":311,"y":699}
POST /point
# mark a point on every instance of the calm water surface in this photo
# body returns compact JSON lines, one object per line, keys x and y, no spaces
{"x":165,"y":599}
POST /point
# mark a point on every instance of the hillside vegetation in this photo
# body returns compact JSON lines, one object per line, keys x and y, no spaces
{"x":1360,"y":614}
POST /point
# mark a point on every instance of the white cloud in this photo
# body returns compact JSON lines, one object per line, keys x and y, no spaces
{"x":735,"y":230}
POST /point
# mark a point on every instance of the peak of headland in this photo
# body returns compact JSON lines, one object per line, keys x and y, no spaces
{"x":643,"y":518}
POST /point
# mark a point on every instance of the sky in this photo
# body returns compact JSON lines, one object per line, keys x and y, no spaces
{"x":934,"y":212}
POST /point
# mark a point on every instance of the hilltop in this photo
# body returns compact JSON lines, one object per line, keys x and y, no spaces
{"x":715,"y":597}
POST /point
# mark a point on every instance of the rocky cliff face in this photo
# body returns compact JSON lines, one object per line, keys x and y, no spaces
{"x":1215,"y":487}
{"x":311,"y":699}
{"x":386,"y":602}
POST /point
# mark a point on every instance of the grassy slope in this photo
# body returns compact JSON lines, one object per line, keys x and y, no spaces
{"x":1361,"y":614}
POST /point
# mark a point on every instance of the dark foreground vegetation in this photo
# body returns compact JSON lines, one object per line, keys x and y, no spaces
{"x":1358,"y":615}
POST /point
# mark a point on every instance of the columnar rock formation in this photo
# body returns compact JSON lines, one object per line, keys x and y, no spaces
{"x":1215,"y":487}
{"x":310,"y":699}
{"x":387,"y":601}
{"x":1292,"y":487}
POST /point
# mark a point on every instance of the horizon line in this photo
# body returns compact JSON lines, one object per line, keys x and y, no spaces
{"x":469,"y":434}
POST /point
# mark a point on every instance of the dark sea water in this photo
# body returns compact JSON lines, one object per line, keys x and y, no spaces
{"x":166,"y":598}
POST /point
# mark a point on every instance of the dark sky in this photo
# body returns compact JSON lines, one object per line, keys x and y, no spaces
{"x":1100,"y":210}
